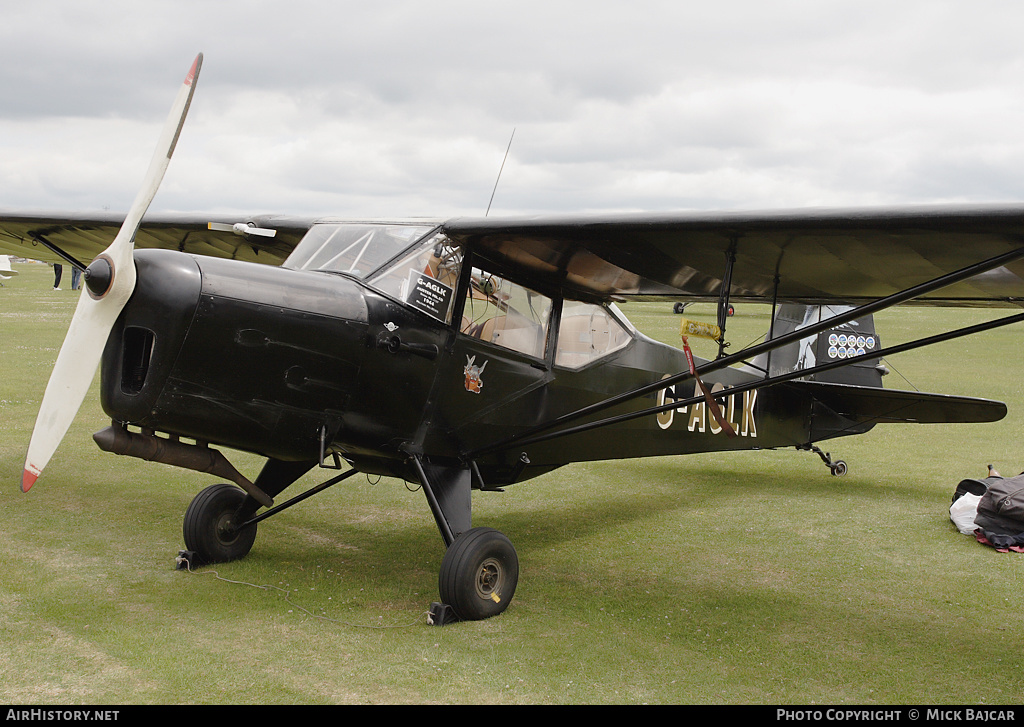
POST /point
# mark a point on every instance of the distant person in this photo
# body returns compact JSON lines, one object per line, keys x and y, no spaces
{"x":58,"y":270}
{"x":76,"y":277}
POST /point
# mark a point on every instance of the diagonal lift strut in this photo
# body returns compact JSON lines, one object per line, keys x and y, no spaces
{"x":533,"y":434}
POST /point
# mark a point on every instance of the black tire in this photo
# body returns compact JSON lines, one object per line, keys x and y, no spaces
{"x":479,"y":574}
{"x":839,"y":468}
{"x":208,"y":527}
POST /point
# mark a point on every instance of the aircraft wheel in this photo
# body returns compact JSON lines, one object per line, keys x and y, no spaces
{"x":479,"y":574}
{"x":838,"y":468}
{"x":209,"y":525}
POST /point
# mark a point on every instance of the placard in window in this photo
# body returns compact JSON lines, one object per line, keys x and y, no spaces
{"x":429,"y":294}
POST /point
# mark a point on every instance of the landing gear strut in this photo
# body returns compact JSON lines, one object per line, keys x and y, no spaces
{"x":219,"y":524}
{"x":480,"y":568}
{"x":837,"y":467}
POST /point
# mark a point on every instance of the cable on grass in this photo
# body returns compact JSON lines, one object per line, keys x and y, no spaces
{"x":287,"y":598}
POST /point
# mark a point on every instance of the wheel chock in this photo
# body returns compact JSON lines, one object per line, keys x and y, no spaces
{"x":441,"y":614}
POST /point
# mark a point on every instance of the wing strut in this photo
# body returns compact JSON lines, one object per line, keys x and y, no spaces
{"x":758,"y":384}
{"x":772,"y":344}
{"x":57,"y":251}
{"x":723,"y":295}
{"x":771,"y":326}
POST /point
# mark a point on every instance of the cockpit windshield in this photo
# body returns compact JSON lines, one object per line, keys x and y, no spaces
{"x":352,"y":248}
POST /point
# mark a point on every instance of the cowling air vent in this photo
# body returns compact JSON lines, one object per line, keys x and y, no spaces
{"x":138,"y":350}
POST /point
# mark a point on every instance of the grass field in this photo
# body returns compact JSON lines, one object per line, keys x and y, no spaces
{"x":752,"y":578}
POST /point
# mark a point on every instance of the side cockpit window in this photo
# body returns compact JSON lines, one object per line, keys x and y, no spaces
{"x":586,"y":333}
{"x":425,"y":277}
{"x":506,"y":314}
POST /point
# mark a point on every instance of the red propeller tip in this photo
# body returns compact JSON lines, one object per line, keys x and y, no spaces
{"x":191,"y":76}
{"x":28,"y":479}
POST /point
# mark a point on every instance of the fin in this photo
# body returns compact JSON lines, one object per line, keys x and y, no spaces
{"x":854,"y":340}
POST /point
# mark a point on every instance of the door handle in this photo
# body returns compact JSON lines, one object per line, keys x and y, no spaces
{"x":394,"y":344}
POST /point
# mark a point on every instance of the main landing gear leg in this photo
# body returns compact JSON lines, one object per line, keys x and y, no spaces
{"x":480,"y":568}
{"x":216,"y":527}
{"x":210,"y":527}
{"x":837,"y":467}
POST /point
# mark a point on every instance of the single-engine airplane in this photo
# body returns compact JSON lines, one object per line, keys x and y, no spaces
{"x":473,"y":354}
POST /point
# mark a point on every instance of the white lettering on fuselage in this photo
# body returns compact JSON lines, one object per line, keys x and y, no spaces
{"x":736,"y":409}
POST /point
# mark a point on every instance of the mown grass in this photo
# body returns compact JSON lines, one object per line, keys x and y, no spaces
{"x":747,"y":578}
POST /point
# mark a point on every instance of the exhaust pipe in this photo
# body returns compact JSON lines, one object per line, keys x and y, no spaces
{"x":197,"y":457}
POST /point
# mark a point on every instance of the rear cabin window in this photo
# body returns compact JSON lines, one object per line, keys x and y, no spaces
{"x":586,"y":333}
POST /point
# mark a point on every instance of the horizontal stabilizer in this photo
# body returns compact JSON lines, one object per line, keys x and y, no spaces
{"x":866,"y":404}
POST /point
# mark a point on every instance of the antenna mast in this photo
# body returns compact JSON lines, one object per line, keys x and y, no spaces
{"x":499,"y":172}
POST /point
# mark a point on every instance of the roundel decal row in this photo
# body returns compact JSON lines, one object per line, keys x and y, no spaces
{"x":843,"y":345}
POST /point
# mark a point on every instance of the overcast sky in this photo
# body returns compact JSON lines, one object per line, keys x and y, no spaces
{"x":406,"y":108}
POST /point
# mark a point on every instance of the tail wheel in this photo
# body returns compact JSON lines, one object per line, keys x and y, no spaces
{"x":210,"y":527}
{"x":479,"y":574}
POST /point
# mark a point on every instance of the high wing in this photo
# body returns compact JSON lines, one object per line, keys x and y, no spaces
{"x":816,"y":256}
{"x":812,"y":256}
{"x":80,"y":237}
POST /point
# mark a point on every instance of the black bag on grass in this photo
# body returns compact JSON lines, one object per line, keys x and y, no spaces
{"x":1001,"y":508}
{"x":972,"y":487}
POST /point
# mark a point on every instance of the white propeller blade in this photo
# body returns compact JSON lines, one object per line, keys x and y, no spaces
{"x":110,"y":280}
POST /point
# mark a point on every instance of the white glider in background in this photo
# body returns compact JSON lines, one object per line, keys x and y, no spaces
{"x":6,"y":272}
